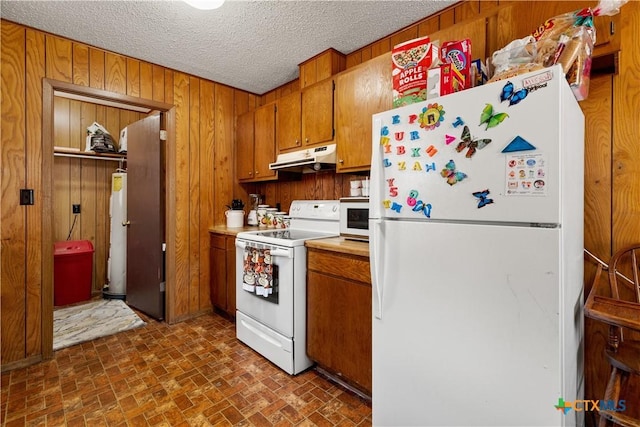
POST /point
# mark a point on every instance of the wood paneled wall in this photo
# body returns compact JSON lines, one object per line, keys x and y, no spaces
{"x":202,"y":172}
{"x":326,"y":185}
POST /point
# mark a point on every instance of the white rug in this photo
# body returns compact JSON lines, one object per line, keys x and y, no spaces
{"x":77,"y":324}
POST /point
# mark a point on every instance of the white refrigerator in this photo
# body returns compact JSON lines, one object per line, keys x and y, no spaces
{"x":476,"y":223}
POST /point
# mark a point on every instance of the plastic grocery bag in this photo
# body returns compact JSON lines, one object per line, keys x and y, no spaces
{"x":566,"y":39}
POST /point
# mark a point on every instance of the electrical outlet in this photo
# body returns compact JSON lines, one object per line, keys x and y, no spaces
{"x":26,"y":196}
{"x":76,"y":209}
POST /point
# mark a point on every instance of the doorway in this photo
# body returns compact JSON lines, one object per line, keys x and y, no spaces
{"x":52,"y":91}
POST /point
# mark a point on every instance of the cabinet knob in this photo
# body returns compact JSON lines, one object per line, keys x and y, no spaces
{"x":257,"y":172}
{"x":297,"y":142}
{"x":250,"y":173}
{"x":306,"y":140}
{"x":126,"y":223}
{"x":340,"y":161}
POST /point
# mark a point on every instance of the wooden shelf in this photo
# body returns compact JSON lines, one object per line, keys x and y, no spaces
{"x":70,"y":152}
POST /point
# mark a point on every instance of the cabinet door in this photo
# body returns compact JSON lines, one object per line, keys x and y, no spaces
{"x":244,"y":146}
{"x":364,"y":90}
{"x":231,"y":275}
{"x":288,"y":122}
{"x":218,"y":276}
{"x":317,"y":113}
{"x":339,"y":327}
{"x":265,"y":141}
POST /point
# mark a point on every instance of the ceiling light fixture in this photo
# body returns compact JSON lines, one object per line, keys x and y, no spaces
{"x":205,"y":4}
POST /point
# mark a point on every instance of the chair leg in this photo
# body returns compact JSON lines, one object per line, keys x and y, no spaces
{"x":611,"y":393}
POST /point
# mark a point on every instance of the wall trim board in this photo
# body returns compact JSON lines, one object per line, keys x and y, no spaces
{"x":22,"y":363}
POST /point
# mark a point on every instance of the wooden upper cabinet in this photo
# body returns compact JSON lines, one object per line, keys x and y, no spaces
{"x":305,"y":118}
{"x":308,"y":73}
{"x":244,"y":146}
{"x":256,"y":144}
{"x":361,"y":91}
{"x":321,"y":67}
{"x":288,"y":118}
{"x":317,"y":113}
{"x":265,"y":141}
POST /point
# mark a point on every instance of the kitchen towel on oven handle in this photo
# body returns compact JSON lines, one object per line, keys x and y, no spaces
{"x":259,"y":275}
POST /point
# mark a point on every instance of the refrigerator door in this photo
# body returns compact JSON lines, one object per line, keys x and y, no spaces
{"x":469,"y":156}
{"x":475,"y":333}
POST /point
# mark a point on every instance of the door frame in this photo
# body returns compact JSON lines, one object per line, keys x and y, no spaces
{"x":50,"y":89}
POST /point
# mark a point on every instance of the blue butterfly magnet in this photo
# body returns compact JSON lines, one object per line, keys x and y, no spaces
{"x":483,"y":198}
{"x":425,"y":208}
{"x":451,"y":174}
{"x":513,"y":96}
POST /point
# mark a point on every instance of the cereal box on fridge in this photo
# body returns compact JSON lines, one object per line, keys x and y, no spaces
{"x":410,"y":62}
{"x":458,"y":54}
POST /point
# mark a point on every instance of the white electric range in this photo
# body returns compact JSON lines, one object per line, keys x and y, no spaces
{"x":271,"y":288}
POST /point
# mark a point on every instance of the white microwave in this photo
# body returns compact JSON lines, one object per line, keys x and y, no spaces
{"x":354,"y":218}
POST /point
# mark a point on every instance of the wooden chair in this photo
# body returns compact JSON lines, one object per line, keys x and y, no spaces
{"x":621,"y":311}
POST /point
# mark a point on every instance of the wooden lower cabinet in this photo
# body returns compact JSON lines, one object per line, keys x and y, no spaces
{"x":222,"y":280}
{"x":339,"y":315}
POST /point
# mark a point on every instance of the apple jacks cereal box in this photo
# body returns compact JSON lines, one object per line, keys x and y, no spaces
{"x":410,"y":62}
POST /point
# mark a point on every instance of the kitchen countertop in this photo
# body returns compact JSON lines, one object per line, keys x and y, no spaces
{"x":336,"y":244}
{"x":230,"y":231}
{"x":340,"y":244}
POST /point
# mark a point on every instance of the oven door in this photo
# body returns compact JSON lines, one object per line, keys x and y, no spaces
{"x":264,"y":284}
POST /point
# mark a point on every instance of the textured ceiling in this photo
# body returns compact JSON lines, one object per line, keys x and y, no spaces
{"x":254,"y":45}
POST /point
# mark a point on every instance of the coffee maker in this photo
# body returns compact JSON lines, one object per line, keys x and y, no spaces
{"x":254,"y":201}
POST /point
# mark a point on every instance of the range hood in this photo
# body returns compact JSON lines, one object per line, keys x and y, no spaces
{"x":316,"y":158}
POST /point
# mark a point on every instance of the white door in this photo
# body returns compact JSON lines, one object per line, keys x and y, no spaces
{"x":467,"y":326}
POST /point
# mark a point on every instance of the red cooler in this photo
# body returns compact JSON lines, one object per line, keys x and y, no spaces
{"x":72,"y":271}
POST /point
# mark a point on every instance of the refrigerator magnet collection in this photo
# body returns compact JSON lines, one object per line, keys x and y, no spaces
{"x":400,"y":140}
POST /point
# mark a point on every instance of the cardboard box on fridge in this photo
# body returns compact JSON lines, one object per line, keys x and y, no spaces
{"x":411,"y":61}
{"x":478,"y":73}
{"x":458,"y":53}
{"x":440,"y":81}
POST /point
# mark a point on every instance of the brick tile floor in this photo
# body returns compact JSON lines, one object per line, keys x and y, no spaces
{"x":194,"y":373}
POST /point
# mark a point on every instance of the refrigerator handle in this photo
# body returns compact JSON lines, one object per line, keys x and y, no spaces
{"x":375,"y":186}
{"x":376,"y":261}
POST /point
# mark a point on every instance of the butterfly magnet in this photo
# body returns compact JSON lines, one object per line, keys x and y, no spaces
{"x":483,"y":198}
{"x":471,"y":144}
{"x":513,"y":96}
{"x":490,"y":118}
{"x":451,"y":174}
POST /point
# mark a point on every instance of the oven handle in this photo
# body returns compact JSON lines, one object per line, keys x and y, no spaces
{"x":274,"y":251}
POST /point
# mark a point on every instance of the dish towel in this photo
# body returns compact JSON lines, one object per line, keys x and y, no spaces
{"x":258,"y":272}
